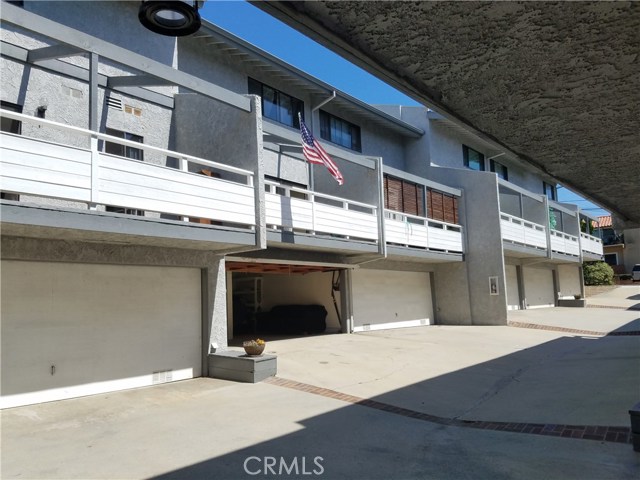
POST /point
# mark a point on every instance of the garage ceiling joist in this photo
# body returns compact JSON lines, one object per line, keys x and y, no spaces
{"x":277,"y":268}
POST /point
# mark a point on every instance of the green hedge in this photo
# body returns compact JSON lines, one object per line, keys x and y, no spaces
{"x":597,"y":273}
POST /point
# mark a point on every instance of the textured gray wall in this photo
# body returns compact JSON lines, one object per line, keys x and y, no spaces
{"x":115,"y":22}
{"x":480,"y":215}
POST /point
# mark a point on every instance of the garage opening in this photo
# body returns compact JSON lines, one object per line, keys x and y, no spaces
{"x":272,"y":299}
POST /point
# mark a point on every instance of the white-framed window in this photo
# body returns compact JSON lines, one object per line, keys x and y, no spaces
{"x":611,"y":258}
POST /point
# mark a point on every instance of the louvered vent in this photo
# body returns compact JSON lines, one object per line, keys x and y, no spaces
{"x":114,"y":103}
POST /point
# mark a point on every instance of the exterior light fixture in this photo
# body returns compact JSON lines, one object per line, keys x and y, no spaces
{"x":171,"y":18}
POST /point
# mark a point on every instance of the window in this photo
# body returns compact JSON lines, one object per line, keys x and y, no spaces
{"x":121,"y":150}
{"x":499,"y":170}
{"x":277,"y":105}
{"x":611,"y":258}
{"x":403,"y":196}
{"x":7,"y":124}
{"x":473,"y":159}
{"x":442,"y":206}
{"x":339,"y":131}
{"x":549,"y":191}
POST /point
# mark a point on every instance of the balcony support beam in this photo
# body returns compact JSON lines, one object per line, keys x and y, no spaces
{"x":137,"y":81}
{"x":54,"y":51}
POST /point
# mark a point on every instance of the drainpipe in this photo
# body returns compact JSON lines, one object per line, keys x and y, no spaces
{"x":320,"y":105}
{"x":324,"y":102}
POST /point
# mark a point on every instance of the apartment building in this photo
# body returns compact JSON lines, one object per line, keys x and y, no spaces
{"x":156,"y":202}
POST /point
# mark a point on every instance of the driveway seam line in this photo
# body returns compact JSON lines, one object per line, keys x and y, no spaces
{"x":581,"y":432}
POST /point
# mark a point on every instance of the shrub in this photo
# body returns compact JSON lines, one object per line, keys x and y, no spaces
{"x":597,"y":273}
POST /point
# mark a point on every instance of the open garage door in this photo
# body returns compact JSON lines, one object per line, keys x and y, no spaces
{"x":283,"y":298}
{"x":538,"y":287}
{"x":390,"y":299}
{"x":70,"y":330}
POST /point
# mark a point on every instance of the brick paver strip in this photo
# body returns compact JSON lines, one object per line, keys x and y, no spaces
{"x":537,"y":326}
{"x":585,"y":432}
{"x":633,"y":307}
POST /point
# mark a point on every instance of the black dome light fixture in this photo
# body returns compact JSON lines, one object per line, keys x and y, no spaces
{"x":171,"y":18}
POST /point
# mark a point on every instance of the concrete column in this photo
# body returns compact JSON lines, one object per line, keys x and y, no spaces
{"x":229,"y":288}
{"x":522,"y":295}
{"x":214,"y":308}
{"x":93,"y":91}
{"x":346,"y":307}
{"x":432,"y":284}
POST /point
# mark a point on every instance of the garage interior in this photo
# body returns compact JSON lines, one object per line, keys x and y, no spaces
{"x":283,"y":299}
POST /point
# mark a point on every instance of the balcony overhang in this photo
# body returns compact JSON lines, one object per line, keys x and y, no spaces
{"x":553,"y":83}
{"x":39,"y":221}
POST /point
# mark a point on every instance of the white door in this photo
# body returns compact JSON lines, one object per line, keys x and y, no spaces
{"x":70,"y":330}
{"x":538,"y":287}
{"x":390,"y":299}
{"x":513,"y":297}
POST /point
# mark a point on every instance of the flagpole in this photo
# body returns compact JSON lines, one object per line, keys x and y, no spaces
{"x":313,"y":110}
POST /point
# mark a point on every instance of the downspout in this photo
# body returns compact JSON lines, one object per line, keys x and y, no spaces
{"x":323,"y":103}
{"x":320,"y":105}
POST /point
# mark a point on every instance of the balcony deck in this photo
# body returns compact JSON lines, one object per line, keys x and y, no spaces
{"x":82,"y":180}
{"x":591,"y":246}
{"x":519,"y":232}
{"x":416,"y":232}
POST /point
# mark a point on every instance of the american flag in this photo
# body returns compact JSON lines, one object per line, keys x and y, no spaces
{"x":314,"y":153}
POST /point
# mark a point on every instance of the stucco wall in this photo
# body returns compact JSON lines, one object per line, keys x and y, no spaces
{"x":115,"y":22}
{"x":631,"y":248}
{"x":479,"y":213}
{"x":446,"y":151}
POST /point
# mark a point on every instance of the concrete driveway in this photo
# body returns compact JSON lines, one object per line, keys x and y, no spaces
{"x":427,"y":402}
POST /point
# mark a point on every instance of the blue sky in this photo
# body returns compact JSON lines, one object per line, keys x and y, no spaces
{"x":256,"y":27}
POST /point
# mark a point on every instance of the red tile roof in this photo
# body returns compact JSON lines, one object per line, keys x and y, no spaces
{"x":605,"y":221}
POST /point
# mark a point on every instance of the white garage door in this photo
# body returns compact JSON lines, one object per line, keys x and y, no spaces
{"x":538,"y":287}
{"x":513,"y":298}
{"x":387,"y":299}
{"x":70,"y":330}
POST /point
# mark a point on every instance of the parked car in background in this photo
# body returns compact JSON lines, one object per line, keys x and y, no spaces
{"x":635,"y":272}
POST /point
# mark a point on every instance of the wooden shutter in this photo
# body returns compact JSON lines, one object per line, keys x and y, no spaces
{"x":393,"y":194}
{"x":442,"y":207}
{"x":449,"y":214}
{"x":436,"y":205}
{"x":409,"y":198}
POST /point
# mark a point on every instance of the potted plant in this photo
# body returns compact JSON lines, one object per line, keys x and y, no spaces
{"x":254,"y":347}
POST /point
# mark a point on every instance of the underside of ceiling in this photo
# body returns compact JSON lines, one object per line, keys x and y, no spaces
{"x":558,"y":84}
{"x":277,"y":268}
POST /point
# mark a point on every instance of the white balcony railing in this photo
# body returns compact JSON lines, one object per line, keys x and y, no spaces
{"x":564,"y":243}
{"x":413,"y":231}
{"x":591,"y":244}
{"x":523,"y":232}
{"x":296,"y":209}
{"x":30,"y":166}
